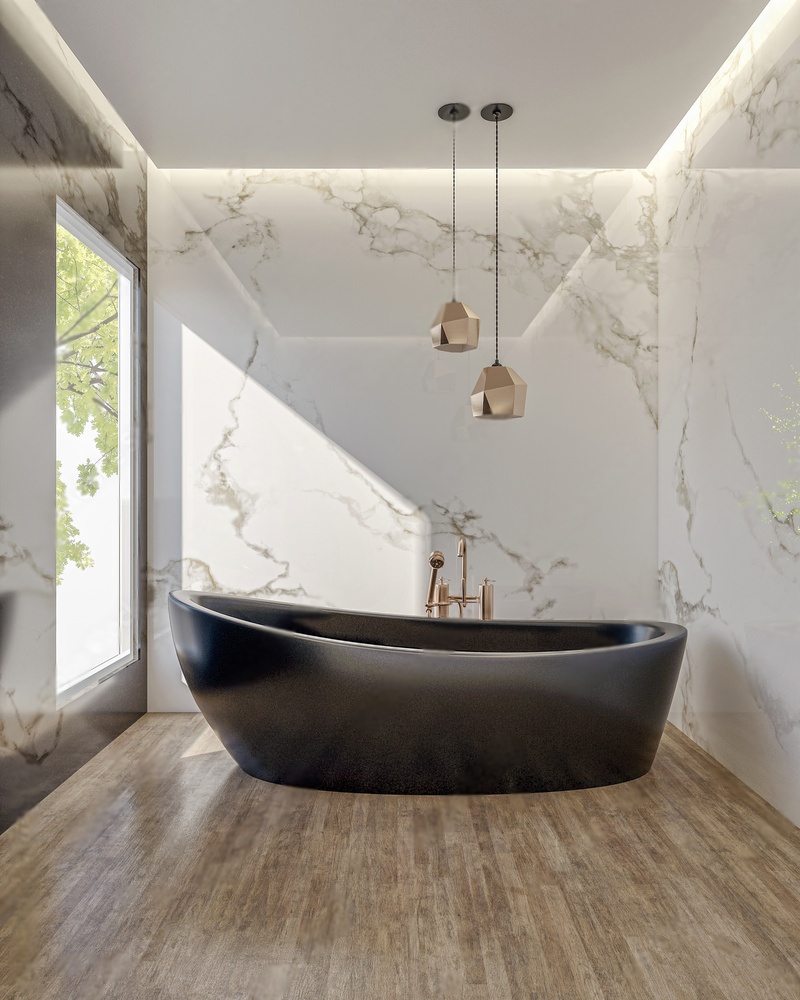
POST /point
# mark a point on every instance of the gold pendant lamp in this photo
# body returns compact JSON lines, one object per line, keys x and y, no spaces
{"x":499,"y":392}
{"x":455,"y":327}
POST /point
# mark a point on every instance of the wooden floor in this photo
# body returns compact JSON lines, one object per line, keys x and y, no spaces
{"x":160,"y":870}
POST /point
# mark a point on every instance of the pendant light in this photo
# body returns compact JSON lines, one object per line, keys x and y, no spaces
{"x":499,"y":391}
{"x":455,"y":327}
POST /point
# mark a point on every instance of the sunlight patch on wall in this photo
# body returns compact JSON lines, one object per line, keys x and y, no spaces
{"x":272,"y":503}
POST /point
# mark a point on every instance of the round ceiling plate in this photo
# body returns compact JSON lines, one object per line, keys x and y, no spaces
{"x":453,"y":112}
{"x":497,"y":112}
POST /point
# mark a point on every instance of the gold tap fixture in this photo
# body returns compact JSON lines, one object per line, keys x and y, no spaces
{"x":439,"y":600}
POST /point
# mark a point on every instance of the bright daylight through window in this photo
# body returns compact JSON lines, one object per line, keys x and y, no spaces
{"x":96,"y":497}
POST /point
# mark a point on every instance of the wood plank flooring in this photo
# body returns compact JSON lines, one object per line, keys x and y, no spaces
{"x":161,"y":871}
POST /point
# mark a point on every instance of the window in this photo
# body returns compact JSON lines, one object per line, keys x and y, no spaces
{"x":96,"y":457}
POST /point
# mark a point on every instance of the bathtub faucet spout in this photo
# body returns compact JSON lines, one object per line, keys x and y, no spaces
{"x":439,"y":600}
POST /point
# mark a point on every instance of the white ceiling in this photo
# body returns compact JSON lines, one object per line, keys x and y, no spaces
{"x":356,"y":83}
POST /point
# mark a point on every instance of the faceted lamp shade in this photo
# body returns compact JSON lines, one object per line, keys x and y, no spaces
{"x":455,"y":328}
{"x":499,"y":392}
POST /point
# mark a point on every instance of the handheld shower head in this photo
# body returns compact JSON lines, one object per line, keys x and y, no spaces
{"x":436,"y":560}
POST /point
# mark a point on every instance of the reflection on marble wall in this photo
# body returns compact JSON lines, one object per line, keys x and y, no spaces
{"x":729,"y":433}
{"x":327,"y":448}
{"x":58,"y":137}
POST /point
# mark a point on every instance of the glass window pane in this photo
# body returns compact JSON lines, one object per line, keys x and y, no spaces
{"x":95,"y":594}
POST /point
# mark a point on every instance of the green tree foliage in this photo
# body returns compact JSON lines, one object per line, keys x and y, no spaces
{"x":69,"y":547}
{"x":87,"y":383}
{"x":784,"y":503}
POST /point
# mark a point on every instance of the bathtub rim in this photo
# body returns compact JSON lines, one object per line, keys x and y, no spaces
{"x":670,"y":631}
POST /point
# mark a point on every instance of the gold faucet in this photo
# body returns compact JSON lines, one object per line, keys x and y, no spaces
{"x":439,"y":600}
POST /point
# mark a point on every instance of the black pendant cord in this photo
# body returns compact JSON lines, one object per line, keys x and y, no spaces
{"x":496,"y":239}
{"x":454,"y":206}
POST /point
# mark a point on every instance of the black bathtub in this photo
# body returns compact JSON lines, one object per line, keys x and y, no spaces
{"x":358,"y":702}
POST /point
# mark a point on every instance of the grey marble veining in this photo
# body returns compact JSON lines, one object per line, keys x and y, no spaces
{"x":220,"y":488}
{"x":611,"y":290}
{"x":549,"y":219}
{"x":453,"y":519}
{"x":763,"y":130}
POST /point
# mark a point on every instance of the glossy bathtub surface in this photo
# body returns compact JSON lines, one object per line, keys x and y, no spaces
{"x":359,"y":702}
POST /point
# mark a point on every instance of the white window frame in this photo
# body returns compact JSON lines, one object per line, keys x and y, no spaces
{"x":130,"y":581}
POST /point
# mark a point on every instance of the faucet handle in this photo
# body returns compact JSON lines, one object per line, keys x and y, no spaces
{"x":486,"y":599}
{"x":442,"y":602}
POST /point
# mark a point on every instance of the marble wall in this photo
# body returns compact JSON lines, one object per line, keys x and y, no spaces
{"x":58,"y":137}
{"x":729,"y":389}
{"x":326,"y":447}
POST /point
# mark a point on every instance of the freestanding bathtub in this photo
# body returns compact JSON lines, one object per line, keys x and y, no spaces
{"x":371,"y":703}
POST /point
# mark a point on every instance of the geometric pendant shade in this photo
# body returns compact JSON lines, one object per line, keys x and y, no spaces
{"x":499,"y":393}
{"x":455,"y":328}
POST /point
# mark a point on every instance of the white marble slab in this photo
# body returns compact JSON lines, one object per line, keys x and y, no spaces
{"x":729,"y":428}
